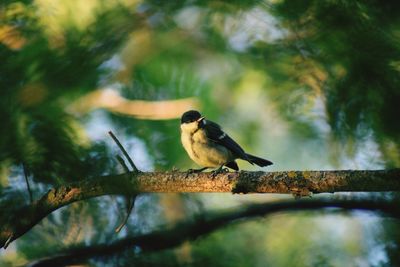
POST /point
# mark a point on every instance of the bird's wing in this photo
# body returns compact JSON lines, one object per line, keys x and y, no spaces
{"x":215,"y":134}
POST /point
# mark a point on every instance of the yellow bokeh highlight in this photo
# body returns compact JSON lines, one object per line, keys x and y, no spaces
{"x":57,"y":16}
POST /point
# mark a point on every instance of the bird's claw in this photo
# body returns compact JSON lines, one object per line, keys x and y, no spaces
{"x":191,"y":171}
{"x":219,"y":171}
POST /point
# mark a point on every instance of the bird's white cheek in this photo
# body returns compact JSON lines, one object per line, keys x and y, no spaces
{"x":189,"y":127}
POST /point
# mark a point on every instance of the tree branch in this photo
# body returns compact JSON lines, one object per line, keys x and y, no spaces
{"x":17,"y":221}
{"x":121,"y":147}
{"x":184,"y":231}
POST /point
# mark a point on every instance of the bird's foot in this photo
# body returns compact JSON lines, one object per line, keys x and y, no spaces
{"x":219,"y":171}
{"x":191,"y":171}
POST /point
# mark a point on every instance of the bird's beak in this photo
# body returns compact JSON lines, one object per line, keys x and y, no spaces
{"x":200,"y":119}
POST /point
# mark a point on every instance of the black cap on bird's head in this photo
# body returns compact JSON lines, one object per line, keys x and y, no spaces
{"x":191,"y":116}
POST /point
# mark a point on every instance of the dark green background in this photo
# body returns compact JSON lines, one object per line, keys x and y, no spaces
{"x":306,"y":84}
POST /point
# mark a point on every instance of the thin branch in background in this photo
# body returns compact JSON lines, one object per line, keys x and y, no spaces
{"x":130,"y":204}
{"x":26,"y":175}
{"x":8,"y":241}
{"x":192,"y":230}
{"x":130,"y":201}
{"x":135,"y":169}
{"x":122,"y":162}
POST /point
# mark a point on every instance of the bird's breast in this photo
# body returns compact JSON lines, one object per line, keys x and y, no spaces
{"x":187,"y":140}
{"x":203,"y":151}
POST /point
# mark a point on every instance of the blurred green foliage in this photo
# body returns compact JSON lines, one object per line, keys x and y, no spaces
{"x":356,"y":44}
{"x":307,"y":84}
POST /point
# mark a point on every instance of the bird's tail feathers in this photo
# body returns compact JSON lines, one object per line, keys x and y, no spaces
{"x":258,"y":161}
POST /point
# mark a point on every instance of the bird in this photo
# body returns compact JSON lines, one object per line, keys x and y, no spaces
{"x":210,"y":147}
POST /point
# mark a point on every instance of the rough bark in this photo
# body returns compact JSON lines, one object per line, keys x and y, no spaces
{"x":285,"y":182}
{"x":16,"y":222}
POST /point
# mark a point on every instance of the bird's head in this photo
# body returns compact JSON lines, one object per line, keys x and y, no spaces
{"x":191,"y":120}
